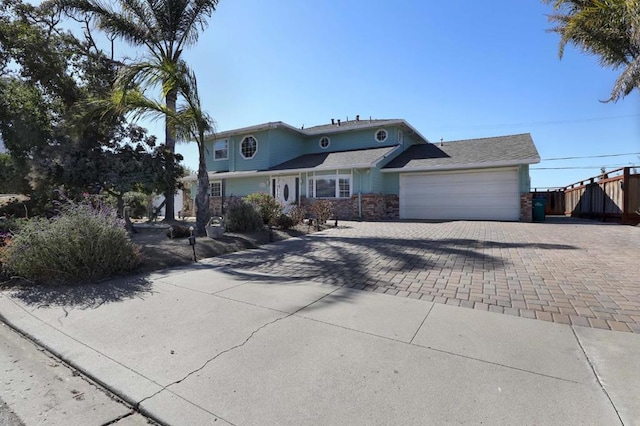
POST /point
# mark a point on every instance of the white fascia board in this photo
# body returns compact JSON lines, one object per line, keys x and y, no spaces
{"x":462,"y":166}
{"x":250,"y":173}
{"x":251,"y":129}
{"x":413,"y":129}
{"x":382,"y":157}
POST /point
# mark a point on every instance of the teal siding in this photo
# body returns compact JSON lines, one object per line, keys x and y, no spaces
{"x":391,"y":183}
{"x":259,"y":162}
{"x":356,"y":139}
{"x":217,"y":166}
{"x":524,"y":180}
{"x":284,"y":145}
{"x":244,"y":186}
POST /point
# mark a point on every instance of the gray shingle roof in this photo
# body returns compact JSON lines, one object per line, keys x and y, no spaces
{"x":335,"y":160}
{"x":349,"y":125}
{"x":512,"y":149}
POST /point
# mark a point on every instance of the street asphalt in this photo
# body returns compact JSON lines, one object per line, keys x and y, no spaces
{"x":214,"y":343}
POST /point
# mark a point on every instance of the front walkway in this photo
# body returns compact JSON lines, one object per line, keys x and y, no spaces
{"x":568,"y":271}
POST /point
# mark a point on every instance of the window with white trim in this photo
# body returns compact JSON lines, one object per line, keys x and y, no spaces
{"x":215,"y":189}
{"x":324,"y":142}
{"x":381,"y":135}
{"x":221,"y":150}
{"x":400,"y":136}
{"x":248,"y":147}
{"x":329,"y":186}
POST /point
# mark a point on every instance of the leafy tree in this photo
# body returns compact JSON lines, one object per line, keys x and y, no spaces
{"x":608,"y":29}
{"x":188,"y":120}
{"x":165,"y":28}
{"x":48,"y":80}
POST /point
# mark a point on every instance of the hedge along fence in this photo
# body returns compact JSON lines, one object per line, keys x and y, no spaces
{"x":614,"y":195}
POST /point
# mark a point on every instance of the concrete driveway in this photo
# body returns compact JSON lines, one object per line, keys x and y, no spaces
{"x":566,"y":270}
{"x":262,"y":337}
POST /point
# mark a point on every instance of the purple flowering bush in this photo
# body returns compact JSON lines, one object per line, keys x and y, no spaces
{"x":84,"y":242}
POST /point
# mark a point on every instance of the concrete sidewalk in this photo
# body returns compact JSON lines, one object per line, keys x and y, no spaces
{"x":201,"y":344}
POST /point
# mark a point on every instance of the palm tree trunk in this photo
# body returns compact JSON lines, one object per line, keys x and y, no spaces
{"x":202,"y":196}
{"x":170,"y":145}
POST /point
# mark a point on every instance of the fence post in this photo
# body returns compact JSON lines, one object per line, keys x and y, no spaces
{"x":625,"y":194}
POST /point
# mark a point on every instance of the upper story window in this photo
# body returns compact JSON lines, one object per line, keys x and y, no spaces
{"x":215,"y":189}
{"x":221,"y":150}
{"x":382,"y":135}
{"x":324,"y":142}
{"x":248,"y":147}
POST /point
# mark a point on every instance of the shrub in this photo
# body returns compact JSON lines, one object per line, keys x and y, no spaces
{"x":82,"y":243}
{"x":179,"y":231}
{"x":298,"y":214}
{"x":284,"y":222}
{"x":323,"y":210}
{"x":242,"y":217}
{"x":270,"y":209}
{"x":136,"y":203}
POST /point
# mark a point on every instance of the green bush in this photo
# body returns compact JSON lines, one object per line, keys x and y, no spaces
{"x":284,"y":222}
{"x":136,"y":203}
{"x":270,"y":209}
{"x":242,"y":217}
{"x":82,"y":243}
{"x":179,"y":231}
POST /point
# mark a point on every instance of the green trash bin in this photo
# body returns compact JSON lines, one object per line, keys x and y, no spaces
{"x":539,"y":205}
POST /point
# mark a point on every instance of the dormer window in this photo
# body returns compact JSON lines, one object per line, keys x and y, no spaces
{"x":248,"y":147}
{"x":324,"y":142}
{"x":382,"y":135}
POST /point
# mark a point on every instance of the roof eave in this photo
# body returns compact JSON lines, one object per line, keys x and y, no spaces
{"x":251,"y":129}
{"x":448,"y":167}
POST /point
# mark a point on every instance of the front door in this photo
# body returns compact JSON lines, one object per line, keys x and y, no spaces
{"x":286,"y":191}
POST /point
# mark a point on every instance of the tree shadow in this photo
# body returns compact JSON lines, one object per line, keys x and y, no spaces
{"x":360,"y":262}
{"x":83,"y":296}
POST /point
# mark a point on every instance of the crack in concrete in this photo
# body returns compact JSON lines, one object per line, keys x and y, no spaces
{"x":219,"y":354}
{"x":421,"y":324}
{"x":117,"y":419}
{"x":595,"y":373}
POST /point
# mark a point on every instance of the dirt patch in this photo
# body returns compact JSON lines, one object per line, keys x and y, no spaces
{"x":160,"y":252}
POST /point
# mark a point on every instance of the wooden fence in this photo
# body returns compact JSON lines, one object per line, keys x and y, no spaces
{"x":612,"y":196}
{"x":555,"y":201}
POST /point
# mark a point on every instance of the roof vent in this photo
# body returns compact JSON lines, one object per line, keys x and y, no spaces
{"x":357,"y":117}
{"x":333,"y":121}
{"x":338,"y":122}
{"x":441,"y":139}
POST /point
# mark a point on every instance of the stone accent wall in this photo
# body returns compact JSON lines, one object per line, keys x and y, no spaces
{"x":374,"y":207}
{"x":526,"y":207}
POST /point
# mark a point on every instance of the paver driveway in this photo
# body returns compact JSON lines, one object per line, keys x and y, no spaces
{"x":564,"y":270}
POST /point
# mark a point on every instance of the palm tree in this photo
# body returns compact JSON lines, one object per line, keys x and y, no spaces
{"x":609,"y":29}
{"x":165,"y":28}
{"x":187,"y":120}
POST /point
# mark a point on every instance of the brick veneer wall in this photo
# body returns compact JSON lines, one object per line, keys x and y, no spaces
{"x":526,"y":207}
{"x":374,"y":207}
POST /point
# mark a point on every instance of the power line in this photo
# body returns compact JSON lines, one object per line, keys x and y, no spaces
{"x":609,"y":166}
{"x":538,"y":123}
{"x":590,"y":156}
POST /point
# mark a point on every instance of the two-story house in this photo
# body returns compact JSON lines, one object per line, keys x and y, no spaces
{"x":373,"y":169}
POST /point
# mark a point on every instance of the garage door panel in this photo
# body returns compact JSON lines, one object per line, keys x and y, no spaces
{"x":487,"y":195}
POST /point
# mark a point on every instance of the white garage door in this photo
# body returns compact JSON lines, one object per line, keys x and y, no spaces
{"x":484,"y":195}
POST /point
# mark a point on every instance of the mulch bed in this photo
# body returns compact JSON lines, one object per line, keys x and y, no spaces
{"x":160,"y":252}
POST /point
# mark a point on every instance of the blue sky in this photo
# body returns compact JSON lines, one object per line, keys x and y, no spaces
{"x":453,"y":69}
